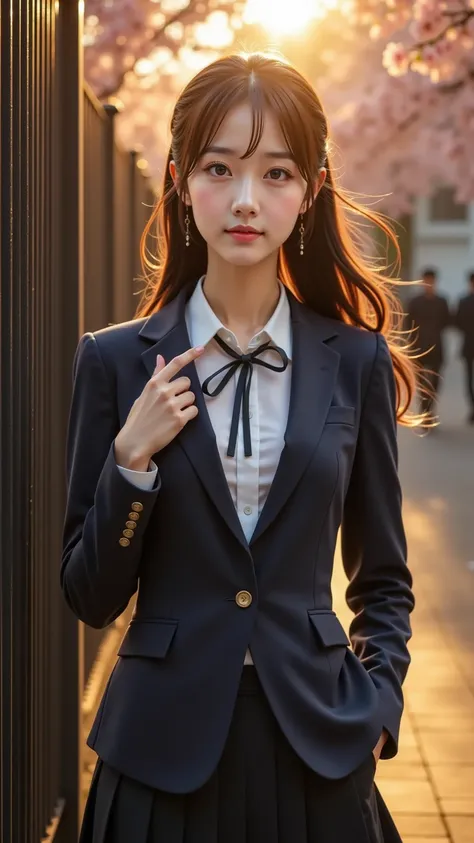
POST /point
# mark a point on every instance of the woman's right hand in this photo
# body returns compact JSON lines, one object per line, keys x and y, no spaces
{"x":158,"y":414}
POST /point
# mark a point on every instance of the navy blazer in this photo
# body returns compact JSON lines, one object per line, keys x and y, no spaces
{"x":166,"y":711}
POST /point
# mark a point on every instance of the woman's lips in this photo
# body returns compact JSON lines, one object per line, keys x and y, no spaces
{"x":244,"y":236}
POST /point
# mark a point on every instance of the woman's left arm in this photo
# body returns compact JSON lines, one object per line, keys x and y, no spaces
{"x":374,"y":548}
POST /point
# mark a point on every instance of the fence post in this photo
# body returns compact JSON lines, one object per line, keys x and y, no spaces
{"x":71,"y":315}
{"x":110,"y":192}
{"x":40,"y":320}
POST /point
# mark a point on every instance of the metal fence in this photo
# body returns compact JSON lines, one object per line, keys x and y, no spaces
{"x":67,"y":192}
{"x":117,"y":200}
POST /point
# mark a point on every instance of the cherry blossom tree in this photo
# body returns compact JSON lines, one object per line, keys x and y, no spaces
{"x":148,"y":36}
{"x":405,"y":132}
{"x":434,"y":37}
{"x":397,"y":134}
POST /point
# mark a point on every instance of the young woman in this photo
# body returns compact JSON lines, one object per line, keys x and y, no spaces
{"x":217,"y":443}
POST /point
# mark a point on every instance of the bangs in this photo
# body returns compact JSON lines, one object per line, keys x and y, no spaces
{"x":302,"y":139}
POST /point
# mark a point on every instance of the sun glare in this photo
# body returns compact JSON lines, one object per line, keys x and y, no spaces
{"x":285,"y":17}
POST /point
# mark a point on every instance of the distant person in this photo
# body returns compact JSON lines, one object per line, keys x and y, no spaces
{"x":429,"y":314}
{"x":465,"y":322}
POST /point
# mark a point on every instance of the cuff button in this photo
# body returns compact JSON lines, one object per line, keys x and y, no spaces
{"x":124,"y":542}
{"x":137,"y":506}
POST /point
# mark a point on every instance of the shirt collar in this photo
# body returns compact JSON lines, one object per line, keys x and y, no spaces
{"x":203,"y":323}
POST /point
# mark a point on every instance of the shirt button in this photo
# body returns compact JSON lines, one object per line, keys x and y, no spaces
{"x":250,"y":414}
{"x":248,"y":510}
{"x":243,"y":599}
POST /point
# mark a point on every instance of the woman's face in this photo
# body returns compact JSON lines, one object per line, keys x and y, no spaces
{"x":265,"y":192}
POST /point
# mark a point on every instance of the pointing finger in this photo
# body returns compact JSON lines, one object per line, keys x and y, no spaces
{"x":160,"y":364}
{"x":177,"y":363}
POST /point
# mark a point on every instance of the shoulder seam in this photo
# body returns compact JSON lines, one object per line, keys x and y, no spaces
{"x":372,"y":370}
{"x":102,"y":363}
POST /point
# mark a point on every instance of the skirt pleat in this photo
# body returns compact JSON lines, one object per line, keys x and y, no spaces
{"x":258,"y":738}
{"x":260,"y":792}
{"x":290,"y":797}
{"x":130,"y":818}
{"x":229,"y":780}
{"x":168,"y":819}
{"x":99,"y":804}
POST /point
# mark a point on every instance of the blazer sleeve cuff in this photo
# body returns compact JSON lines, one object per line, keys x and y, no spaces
{"x":141,"y":479}
{"x":117,"y":501}
{"x":391,"y":719}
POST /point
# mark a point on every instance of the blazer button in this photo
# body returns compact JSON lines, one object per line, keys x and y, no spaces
{"x":128,"y":533}
{"x":134,"y":516}
{"x":137,"y":506}
{"x":131,"y":525}
{"x":124,"y":542}
{"x":243,"y":599}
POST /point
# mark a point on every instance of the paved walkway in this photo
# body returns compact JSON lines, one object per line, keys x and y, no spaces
{"x":429,"y":786}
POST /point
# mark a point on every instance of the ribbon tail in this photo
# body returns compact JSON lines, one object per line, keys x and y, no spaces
{"x":246,"y":414}
{"x":236,"y":413}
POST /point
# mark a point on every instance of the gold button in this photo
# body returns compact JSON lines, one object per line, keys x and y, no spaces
{"x":243,"y":599}
{"x":128,"y":533}
{"x":134,"y":516}
{"x":132,"y":525}
{"x":137,"y":506}
{"x":124,"y":542}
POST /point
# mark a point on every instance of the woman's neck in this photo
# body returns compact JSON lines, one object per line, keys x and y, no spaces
{"x":243,"y":298}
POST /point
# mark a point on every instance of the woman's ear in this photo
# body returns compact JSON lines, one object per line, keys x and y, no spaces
{"x":322,"y":173}
{"x":176,"y":181}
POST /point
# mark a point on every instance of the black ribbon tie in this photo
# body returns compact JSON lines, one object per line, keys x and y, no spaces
{"x":242,"y":392}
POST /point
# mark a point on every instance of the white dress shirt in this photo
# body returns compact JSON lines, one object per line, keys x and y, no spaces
{"x":249,"y":478}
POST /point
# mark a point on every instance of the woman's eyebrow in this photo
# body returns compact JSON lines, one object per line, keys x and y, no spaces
{"x":225,"y":150}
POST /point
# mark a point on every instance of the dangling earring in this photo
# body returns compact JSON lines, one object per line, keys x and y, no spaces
{"x":187,"y":222}
{"x":301,"y":236}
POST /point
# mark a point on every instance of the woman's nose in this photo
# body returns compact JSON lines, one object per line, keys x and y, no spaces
{"x":245,"y":201}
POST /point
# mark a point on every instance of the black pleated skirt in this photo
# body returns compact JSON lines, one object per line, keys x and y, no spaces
{"x":261,"y":792}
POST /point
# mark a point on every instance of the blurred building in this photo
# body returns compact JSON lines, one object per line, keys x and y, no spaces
{"x":442,"y":236}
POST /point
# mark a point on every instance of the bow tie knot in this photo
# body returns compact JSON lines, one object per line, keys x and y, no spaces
{"x":242,"y":392}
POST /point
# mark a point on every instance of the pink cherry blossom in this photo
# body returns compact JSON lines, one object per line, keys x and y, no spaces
{"x":395,"y":58}
{"x":397,"y":84}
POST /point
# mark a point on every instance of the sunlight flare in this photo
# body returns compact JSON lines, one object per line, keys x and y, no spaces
{"x":281,"y":17}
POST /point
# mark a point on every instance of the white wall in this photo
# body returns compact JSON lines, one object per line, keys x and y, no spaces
{"x":447,"y":246}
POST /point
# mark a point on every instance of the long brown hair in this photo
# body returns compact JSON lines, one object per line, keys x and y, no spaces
{"x":333,"y":277}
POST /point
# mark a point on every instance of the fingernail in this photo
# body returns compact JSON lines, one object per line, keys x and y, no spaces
{"x":199,"y":348}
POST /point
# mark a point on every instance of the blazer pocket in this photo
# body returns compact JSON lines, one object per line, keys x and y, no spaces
{"x":328,"y":627}
{"x":341,"y":415}
{"x":151,"y":639}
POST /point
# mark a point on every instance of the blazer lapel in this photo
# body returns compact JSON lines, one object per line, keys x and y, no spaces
{"x":314,"y":371}
{"x":167,"y":329}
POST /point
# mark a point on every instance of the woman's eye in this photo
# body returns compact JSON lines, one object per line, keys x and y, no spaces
{"x":217,"y":169}
{"x":276,"y":172}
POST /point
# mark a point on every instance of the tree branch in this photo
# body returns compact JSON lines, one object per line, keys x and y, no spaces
{"x":159,"y":36}
{"x":178,"y":17}
{"x":465,"y":16}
